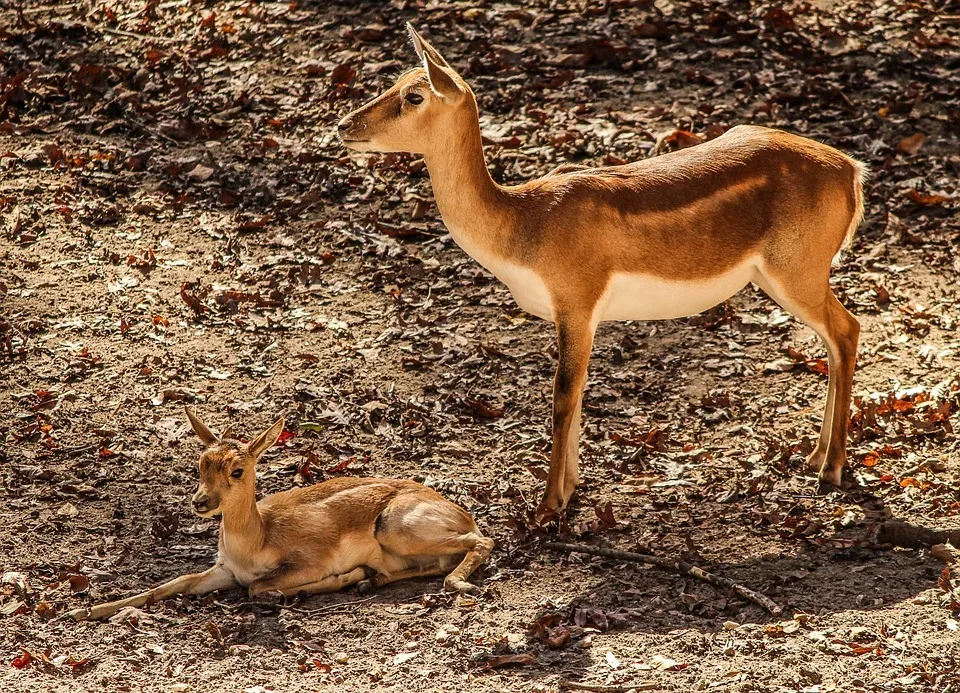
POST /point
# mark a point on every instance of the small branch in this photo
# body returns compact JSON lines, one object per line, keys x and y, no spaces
{"x":677,"y":566}
{"x":908,"y":536}
{"x":121,"y":32}
{"x":574,"y":686}
{"x":329,"y":609}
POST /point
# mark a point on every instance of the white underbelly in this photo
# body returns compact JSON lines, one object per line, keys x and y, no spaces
{"x":628,"y":296}
{"x":648,"y":297}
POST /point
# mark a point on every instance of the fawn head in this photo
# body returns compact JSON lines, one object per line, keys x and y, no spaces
{"x":227,"y":467}
{"x":418,"y":114}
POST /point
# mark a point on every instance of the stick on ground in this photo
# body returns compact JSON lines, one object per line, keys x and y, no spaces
{"x":576,"y":686}
{"x":676,"y":565}
{"x":910,"y":536}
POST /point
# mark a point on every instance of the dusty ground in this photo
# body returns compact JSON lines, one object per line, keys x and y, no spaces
{"x":179,"y":226}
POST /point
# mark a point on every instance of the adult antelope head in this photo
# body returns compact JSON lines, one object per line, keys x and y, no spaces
{"x":661,"y":238}
{"x":418,"y":113}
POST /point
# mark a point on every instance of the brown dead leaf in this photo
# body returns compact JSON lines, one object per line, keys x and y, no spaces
{"x":506,"y":660}
{"x":911,"y":144}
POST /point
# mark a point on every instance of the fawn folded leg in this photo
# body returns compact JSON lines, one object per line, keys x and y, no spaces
{"x":574,"y":342}
{"x":215,"y":578}
{"x":293,"y":582}
{"x":477,"y":554}
{"x":422,"y":537}
{"x":381,"y":579}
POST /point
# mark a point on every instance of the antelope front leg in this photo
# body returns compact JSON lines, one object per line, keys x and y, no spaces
{"x":574,"y":343}
{"x":215,"y":578}
{"x":292,"y":582}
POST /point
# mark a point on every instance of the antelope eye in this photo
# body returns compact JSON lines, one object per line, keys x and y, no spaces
{"x":237,"y":473}
{"x":414,"y":98}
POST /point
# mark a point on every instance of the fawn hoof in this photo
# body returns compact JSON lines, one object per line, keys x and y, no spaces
{"x":815,"y":461}
{"x":266,"y":595}
{"x":366,"y":586}
{"x":458,"y":585}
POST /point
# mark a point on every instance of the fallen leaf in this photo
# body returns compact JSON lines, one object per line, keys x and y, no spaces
{"x":506,"y":660}
{"x":911,"y":144}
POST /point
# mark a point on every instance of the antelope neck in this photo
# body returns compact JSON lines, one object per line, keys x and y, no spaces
{"x":242,"y":523}
{"x":474,"y":208}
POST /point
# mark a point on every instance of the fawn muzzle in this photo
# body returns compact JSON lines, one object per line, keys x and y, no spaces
{"x":201,"y":503}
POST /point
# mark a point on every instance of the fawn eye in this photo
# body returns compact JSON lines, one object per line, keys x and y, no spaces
{"x":414,"y":98}
{"x":237,"y":473}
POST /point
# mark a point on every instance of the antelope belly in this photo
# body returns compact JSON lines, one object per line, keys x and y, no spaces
{"x":648,"y":297}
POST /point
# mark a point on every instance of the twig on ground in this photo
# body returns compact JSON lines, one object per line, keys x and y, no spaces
{"x":676,"y":565}
{"x":124,"y":34}
{"x":575,"y":686}
{"x":909,"y":536}
{"x":277,"y":606}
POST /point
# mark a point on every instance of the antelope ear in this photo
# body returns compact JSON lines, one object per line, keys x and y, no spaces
{"x":205,"y":435}
{"x":423,"y":47}
{"x":265,"y":440}
{"x":440,"y":79}
{"x":441,"y":75}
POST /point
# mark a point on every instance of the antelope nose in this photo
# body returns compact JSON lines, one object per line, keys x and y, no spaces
{"x":344,"y":125}
{"x":199,"y":503}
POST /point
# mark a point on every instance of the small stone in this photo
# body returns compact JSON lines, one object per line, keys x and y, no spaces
{"x":341,"y":658}
{"x":445,"y":632}
{"x":730,"y":625}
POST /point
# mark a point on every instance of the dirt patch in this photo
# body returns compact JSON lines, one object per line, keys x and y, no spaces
{"x":179,"y":226}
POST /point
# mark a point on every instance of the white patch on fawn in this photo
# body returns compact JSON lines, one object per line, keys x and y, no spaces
{"x":244,"y":569}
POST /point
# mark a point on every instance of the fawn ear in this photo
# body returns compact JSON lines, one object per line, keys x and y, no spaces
{"x":205,"y":435}
{"x":441,"y":75}
{"x":265,"y":440}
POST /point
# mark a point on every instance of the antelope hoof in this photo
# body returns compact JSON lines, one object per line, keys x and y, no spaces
{"x":266,"y":595}
{"x":366,"y":586}
{"x":452,"y":584}
{"x":815,"y":461}
{"x":547,"y":512}
{"x":829,"y":479}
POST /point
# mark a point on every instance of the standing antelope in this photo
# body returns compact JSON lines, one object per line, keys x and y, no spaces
{"x":653,"y":240}
{"x":318,"y":538}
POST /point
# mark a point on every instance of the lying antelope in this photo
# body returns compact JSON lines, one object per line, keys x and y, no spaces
{"x":319,"y":538}
{"x":663,"y":238}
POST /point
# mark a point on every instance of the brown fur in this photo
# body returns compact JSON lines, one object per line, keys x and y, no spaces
{"x":686,"y":216}
{"x":318,"y":538}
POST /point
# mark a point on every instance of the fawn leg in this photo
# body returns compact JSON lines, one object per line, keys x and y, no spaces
{"x":215,"y":578}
